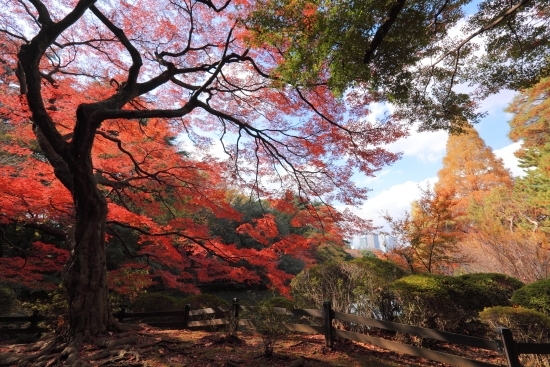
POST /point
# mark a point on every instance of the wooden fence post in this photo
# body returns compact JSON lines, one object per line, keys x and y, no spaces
{"x":235,"y":316}
{"x":509,"y":347}
{"x":327,"y":324}
{"x":35,"y":318}
{"x":186,"y":310}
{"x":120,"y":314}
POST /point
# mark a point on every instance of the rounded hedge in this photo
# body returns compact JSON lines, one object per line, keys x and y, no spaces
{"x":527,"y":325}
{"x":446,"y":302}
{"x":498,"y":288}
{"x":535,"y":295}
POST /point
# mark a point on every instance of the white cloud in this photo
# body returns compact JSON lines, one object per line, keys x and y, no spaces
{"x":510,"y":161}
{"x":497,"y":102}
{"x":395,"y":200}
{"x":379,"y":111}
{"x":425,"y":146}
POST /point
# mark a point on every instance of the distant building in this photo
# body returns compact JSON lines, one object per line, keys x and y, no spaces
{"x":375,"y":242}
{"x":369,"y":241}
{"x":388,"y":242}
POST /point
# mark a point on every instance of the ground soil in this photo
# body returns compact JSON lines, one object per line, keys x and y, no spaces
{"x":153,"y":347}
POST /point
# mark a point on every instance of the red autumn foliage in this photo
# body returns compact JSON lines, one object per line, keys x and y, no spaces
{"x":92,"y":97}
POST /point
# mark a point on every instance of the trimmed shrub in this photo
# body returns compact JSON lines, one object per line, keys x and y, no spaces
{"x":535,"y":295}
{"x":358,"y":287}
{"x":424,"y":299}
{"x":527,"y":325}
{"x":373,"y":295}
{"x":279,"y":301}
{"x":498,"y":288}
{"x":444,"y":302}
{"x":8,"y":300}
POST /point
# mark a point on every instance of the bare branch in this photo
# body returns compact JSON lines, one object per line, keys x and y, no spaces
{"x":496,"y":21}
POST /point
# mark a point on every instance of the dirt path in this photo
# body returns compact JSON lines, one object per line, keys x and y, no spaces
{"x":175,"y":348}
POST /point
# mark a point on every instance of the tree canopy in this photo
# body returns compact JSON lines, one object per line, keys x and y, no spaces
{"x":410,"y":53}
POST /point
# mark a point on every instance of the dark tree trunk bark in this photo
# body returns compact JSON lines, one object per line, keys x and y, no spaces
{"x":85,"y":275}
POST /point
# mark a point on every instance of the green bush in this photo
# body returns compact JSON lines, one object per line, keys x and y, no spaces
{"x":359,"y":287}
{"x":151,"y":302}
{"x":52,"y":304}
{"x":498,"y":288}
{"x":279,"y":301}
{"x":8,"y":300}
{"x":535,"y":295}
{"x":527,"y":325}
{"x":373,"y":296}
{"x":444,"y":302}
{"x":423,"y":299}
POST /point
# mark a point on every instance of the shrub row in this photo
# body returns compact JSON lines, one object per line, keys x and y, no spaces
{"x":468,"y":304}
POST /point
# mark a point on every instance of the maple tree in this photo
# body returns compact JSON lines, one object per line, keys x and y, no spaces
{"x":104,"y":87}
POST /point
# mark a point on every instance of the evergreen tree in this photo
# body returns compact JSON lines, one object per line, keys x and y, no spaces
{"x":531,"y":125}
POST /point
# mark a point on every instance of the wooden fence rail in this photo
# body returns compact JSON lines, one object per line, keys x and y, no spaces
{"x":506,"y":345}
{"x":211,"y":317}
{"x":33,"y":319}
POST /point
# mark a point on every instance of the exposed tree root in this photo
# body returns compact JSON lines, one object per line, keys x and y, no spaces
{"x":119,"y":349}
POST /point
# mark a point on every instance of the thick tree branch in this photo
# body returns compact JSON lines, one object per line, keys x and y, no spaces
{"x":383,"y":30}
{"x":60,"y":167}
{"x":137,"y":62}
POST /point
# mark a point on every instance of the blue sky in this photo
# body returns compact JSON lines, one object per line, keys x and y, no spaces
{"x":396,"y":186}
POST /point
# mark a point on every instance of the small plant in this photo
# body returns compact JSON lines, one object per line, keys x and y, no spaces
{"x":269,"y":320}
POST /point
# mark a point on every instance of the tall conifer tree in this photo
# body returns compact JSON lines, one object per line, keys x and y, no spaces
{"x":471,"y":169}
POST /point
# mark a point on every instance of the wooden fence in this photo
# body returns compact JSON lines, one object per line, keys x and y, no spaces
{"x":33,"y":319}
{"x":212,"y":317}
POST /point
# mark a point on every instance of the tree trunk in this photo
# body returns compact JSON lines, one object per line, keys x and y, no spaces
{"x":85,"y":275}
